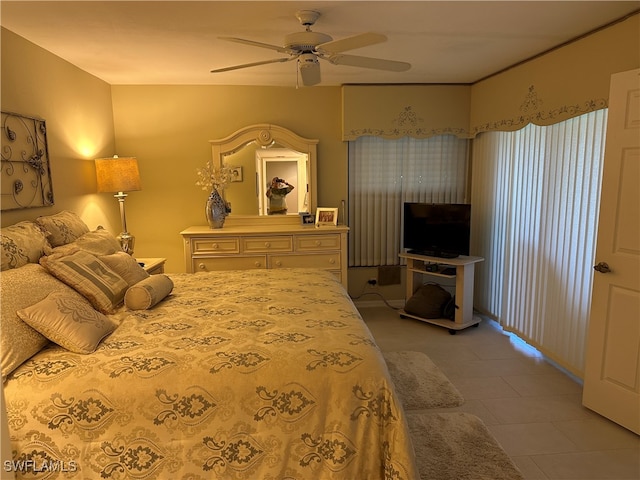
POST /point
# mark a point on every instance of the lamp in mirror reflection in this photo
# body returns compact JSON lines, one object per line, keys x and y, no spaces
{"x":119,"y":175}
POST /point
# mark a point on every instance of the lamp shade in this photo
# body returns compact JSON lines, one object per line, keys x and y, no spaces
{"x":117,"y":174}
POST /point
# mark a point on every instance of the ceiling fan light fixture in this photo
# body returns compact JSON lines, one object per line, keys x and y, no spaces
{"x":309,"y":69}
{"x":305,"y":41}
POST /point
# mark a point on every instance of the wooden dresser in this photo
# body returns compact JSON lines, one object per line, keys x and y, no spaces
{"x":272,"y":246}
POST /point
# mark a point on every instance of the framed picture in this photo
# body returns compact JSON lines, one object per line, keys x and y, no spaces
{"x":326,"y":216}
{"x":236,"y":174}
{"x":307,"y":219}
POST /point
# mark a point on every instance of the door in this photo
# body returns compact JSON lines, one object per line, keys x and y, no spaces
{"x":612,"y":371}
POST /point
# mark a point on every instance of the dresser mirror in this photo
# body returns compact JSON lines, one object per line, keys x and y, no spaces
{"x":259,"y":153}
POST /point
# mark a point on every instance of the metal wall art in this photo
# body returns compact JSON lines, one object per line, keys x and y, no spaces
{"x":25,"y":177}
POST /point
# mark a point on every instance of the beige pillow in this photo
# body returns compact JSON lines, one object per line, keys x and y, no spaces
{"x":126,"y":266}
{"x":68,"y":320}
{"x":20,"y":288}
{"x":148,"y":292}
{"x":86,"y":274}
{"x":22,"y":243}
{"x":62,"y":228}
{"x":97,"y":242}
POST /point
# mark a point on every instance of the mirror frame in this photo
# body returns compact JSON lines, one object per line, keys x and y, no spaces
{"x":264,"y":134}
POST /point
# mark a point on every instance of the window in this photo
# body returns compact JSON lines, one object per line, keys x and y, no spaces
{"x":383,"y":174}
{"x":536,"y":196}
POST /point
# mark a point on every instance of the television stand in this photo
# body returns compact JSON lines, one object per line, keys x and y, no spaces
{"x":433,"y":254}
{"x":464,"y":275}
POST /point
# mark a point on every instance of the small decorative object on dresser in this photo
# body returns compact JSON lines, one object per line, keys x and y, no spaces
{"x":215,"y":180}
{"x":307,"y":219}
{"x":216,"y":210}
{"x":326,"y":216}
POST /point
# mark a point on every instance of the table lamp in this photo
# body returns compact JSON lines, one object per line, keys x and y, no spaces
{"x":119,"y":174}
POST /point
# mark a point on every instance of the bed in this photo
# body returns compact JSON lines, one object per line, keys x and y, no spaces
{"x":267,"y":374}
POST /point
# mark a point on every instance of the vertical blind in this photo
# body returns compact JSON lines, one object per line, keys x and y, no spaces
{"x":383,"y":174}
{"x":535,"y":197}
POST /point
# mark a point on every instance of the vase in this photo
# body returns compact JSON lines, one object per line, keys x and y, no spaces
{"x":216,"y":210}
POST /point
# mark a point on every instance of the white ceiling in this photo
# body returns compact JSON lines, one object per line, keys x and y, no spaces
{"x":176,"y":42}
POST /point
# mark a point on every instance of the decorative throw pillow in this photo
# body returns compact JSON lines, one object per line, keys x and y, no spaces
{"x":21,"y":288}
{"x":63,"y":227}
{"x":68,"y":320}
{"x":22,"y":243}
{"x":97,"y":242}
{"x":86,"y":274}
{"x":148,"y":292}
{"x":126,"y":266}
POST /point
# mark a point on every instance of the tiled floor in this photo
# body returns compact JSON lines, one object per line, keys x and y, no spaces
{"x":533,"y":409}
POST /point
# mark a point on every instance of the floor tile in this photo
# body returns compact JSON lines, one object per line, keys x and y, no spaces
{"x":598,"y":434}
{"x":537,"y":409}
{"x":554,"y":383}
{"x":532,"y":439}
{"x":600,"y":465}
{"x":484,"y":387}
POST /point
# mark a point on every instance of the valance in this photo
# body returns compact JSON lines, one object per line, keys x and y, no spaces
{"x":564,"y":83}
{"x":395,"y":111}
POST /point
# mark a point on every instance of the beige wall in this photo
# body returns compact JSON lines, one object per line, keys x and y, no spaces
{"x":79,"y":119}
{"x":168,"y":129}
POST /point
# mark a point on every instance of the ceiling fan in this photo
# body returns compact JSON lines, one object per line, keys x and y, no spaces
{"x":307,"y":47}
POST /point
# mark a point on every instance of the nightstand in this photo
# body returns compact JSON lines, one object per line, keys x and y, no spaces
{"x":152,"y":266}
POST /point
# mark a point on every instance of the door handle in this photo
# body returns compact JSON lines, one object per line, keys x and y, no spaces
{"x":602,"y":267}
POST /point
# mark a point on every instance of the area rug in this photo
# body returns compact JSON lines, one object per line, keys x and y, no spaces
{"x":419,"y":382}
{"x":458,"y":446}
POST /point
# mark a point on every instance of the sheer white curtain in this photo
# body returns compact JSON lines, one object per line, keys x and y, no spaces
{"x":383,"y":174}
{"x":535,"y":197}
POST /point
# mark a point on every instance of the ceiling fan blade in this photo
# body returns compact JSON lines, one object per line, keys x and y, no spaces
{"x":350,"y":43}
{"x":309,"y":69}
{"x":366,"y":62}
{"x":258,"y":44}
{"x":254,"y":64}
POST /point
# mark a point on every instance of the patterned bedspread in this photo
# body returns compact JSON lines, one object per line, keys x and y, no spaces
{"x":253,"y":375}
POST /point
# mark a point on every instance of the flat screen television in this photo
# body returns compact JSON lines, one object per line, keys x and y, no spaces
{"x":437,"y":229}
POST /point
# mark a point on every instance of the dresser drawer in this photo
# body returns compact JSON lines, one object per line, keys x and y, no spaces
{"x":327,"y":261}
{"x":281,"y":243}
{"x":214,"y":264}
{"x":317,"y":242}
{"x":215,"y":245}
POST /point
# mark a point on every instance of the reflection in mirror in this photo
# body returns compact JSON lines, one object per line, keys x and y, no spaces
{"x":260,"y":153}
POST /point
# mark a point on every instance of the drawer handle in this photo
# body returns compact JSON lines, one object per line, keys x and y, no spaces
{"x":257,"y":264}
{"x":278,"y":263}
{"x":332,"y":261}
{"x":214,"y":246}
{"x":318,"y":243}
{"x":267,"y":244}
{"x":202,"y":266}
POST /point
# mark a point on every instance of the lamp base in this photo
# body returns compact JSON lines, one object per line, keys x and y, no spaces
{"x":127,"y":241}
